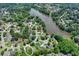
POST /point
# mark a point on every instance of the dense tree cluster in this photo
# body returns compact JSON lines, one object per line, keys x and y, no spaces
{"x":24,"y":35}
{"x":66,"y":16}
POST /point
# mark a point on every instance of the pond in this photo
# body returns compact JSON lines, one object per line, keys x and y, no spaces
{"x":51,"y":27}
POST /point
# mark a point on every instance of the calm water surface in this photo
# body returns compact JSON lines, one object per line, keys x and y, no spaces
{"x":51,"y":27}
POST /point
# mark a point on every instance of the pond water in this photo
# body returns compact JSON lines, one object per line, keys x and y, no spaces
{"x":51,"y":27}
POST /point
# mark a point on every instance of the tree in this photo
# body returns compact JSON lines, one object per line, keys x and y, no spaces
{"x":56,"y":49}
{"x":37,"y":52}
{"x":68,"y":46}
{"x":25,"y":32}
{"x":58,"y":38}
